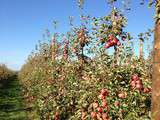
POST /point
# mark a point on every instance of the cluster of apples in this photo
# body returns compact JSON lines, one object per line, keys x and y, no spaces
{"x":82,"y":37}
{"x":136,"y":83}
{"x":74,"y":50}
{"x":65,"y":52}
{"x":100,"y":110}
{"x":112,"y":41}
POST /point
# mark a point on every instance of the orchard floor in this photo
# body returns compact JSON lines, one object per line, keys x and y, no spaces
{"x":11,"y":101}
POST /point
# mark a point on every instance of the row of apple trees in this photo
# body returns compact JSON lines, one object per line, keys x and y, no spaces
{"x":90,"y":73}
{"x":5,"y":74}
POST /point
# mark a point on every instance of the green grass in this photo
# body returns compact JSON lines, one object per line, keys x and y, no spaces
{"x":11,"y":103}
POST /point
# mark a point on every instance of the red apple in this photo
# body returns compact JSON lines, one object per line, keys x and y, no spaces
{"x":147,"y":90}
{"x":110,"y":37}
{"x":95,"y":104}
{"x":99,"y":109}
{"x":122,"y":95}
{"x":138,"y":81}
{"x":56,"y":116}
{"x":104,"y":92}
{"x":93,"y":114}
{"x":115,"y":40}
{"x":139,"y":86}
{"x":117,"y":103}
{"x":111,"y":43}
{"x":83,"y":115}
{"x":133,"y":84}
{"x":134,"y":77}
{"x":118,"y":43}
{"x":123,"y":38}
{"x":74,"y":50}
{"x":101,"y":96}
{"x":105,"y":116}
{"x":104,"y":103}
{"x":107,"y":45}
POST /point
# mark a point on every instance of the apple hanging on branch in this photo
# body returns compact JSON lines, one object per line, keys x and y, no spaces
{"x":110,"y":28}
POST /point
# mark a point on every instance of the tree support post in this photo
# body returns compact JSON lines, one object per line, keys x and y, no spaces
{"x":155,"y":109}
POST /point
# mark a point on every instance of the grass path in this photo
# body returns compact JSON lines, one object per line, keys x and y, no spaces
{"x":11,"y":103}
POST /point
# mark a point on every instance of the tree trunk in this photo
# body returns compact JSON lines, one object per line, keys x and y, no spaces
{"x":140,"y":49}
{"x":53,"y":41}
{"x":156,"y":74}
{"x":115,"y":56}
{"x":129,"y":57}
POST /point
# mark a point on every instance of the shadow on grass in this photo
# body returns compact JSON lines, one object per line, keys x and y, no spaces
{"x":7,"y":107}
{"x":11,"y":103}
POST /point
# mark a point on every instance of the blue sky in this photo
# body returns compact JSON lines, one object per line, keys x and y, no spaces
{"x":22,"y":23}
